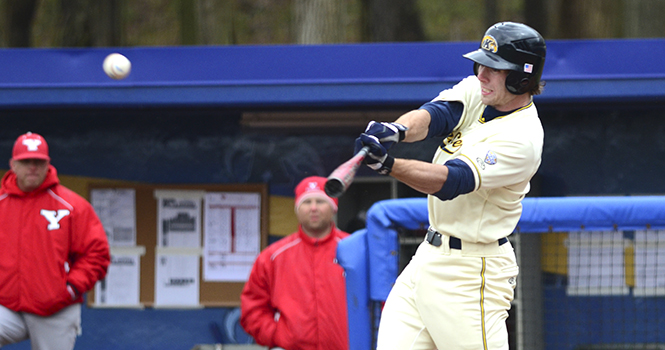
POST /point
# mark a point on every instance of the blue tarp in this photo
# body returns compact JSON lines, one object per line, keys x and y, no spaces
{"x":315,"y":75}
{"x":592,"y":213}
{"x":352,"y":255}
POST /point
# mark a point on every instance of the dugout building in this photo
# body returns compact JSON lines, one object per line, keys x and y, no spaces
{"x":272,"y":115}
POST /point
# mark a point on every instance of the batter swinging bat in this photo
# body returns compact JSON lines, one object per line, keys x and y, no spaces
{"x":340,"y":179}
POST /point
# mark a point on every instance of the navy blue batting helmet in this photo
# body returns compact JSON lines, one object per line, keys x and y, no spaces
{"x":515,"y":47}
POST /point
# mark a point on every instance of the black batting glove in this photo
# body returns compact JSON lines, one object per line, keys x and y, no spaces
{"x":377,"y":158}
{"x":387,"y":134}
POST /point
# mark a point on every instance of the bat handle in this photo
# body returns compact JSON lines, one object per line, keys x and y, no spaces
{"x":363,"y":151}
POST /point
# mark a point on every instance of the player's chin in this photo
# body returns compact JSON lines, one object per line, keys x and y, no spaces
{"x":487,"y":100}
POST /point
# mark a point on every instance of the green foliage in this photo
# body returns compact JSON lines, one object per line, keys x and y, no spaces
{"x":151,"y":23}
{"x":47,"y":30}
{"x":451,"y":20}
{"x":260,"y":22}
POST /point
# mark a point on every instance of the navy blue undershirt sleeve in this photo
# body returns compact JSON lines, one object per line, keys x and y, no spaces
{"x":445,"y":117}
{"x":460,"y":180}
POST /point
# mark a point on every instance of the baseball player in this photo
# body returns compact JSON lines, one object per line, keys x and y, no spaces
{"x":456,"y":291}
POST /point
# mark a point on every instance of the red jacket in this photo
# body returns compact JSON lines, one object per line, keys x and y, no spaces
{"x":299,"y":279}
{"x":41,"y":233}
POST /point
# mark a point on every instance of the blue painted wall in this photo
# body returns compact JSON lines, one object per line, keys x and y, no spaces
{"x":299,"y":76}
{"x":124,"y":329}
{"x":574,"y":321}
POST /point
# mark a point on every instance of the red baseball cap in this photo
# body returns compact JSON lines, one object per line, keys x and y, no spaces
{"x":30,"y":146}
{"x":313,"y":186}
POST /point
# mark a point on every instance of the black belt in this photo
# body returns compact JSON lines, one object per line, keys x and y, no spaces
{"x":434,"y":238}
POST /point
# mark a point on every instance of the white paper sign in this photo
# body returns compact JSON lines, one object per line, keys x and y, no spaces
{"x":116,"y":209}
{"x":232,"y":235}
{"x":179,"y":218}
{"x":120,"y":287}
{"x":177,"y":278}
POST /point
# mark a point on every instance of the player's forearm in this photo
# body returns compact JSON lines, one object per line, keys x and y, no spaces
{"x":422,"y":176}
{"x":418,"y":123}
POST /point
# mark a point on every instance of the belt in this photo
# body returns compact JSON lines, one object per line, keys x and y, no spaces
{"x":434,"y":238}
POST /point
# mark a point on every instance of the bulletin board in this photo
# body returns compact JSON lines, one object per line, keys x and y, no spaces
{"x":211,"y":294}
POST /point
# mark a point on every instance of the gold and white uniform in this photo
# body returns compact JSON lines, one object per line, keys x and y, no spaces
{"x":456,"y":295}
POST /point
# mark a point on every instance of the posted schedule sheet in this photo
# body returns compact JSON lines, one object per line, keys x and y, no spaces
{"x":116,"y":209}
{"x":232,"y":235}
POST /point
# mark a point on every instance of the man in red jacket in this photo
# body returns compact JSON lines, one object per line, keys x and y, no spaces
{"x":53,"y":249}
{"x":295,"y":297}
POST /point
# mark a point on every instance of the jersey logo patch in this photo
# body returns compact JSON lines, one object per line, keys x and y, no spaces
{"x":452,"y":143}
{"x":490,"y":158}
{"x":54,"y":217}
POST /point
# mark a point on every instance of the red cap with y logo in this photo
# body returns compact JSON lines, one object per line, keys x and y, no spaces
{"x":30,"y":146}
{"x":313,"y":186}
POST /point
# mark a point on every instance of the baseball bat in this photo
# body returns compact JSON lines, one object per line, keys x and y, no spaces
{"x":342,"y":177}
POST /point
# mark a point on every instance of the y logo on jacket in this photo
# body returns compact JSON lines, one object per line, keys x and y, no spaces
{"x":54,"y":217}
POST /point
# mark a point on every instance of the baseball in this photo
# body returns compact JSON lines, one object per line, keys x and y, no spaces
{"x":117,"y":66}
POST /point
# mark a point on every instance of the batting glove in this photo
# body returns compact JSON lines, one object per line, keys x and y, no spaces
{"x":377,"y":158}
{"x":388,"y":134}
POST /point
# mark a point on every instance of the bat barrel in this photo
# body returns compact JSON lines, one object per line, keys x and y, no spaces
{"x":334,"y":187}
{"x":342,"y":177}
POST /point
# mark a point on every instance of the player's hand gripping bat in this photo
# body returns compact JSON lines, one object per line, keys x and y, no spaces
{"x":342,"y":177}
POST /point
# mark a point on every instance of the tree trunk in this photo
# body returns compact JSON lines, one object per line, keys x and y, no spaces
{"x":570,"y":20}
{"x":644,"y":19}
{"x":76,"y":28}
{"x":209,"y":30}
{"x":188,"y":22}
{"x":536,"y":16}
{"x":590,"y":19}
{"x":18,"y":16}
{"x":491,"y":13}
{"x":106,"y":23}
{"x":318,"y":21}
{"x":391,"y":20}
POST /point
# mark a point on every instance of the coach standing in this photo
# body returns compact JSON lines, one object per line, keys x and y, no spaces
{"x":295,"y":298}
{"x":54,"y":249}
{"x":456,"y":291}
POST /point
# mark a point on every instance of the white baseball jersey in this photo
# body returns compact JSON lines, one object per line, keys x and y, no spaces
{"x":503,"y":155}
{"x":458,"y":297}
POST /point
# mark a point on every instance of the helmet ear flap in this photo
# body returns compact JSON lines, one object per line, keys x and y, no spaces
{"x":517,"y":83}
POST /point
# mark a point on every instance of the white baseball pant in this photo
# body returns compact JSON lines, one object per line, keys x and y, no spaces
{"x":451,"y":299}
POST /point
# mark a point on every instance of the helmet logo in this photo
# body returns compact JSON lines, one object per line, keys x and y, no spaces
{"x":489,"y":43}
{"x":528,"y":68}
